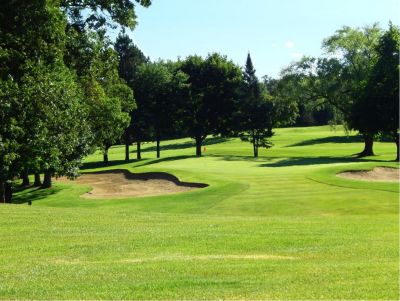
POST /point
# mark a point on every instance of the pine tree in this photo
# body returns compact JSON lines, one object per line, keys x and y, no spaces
{"x":256,"y":111}
{"x":250,"y":78}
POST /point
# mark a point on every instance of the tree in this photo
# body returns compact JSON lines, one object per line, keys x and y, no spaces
{"x":339,"y":77}
{"x":285,"y":99}
{"x":357,"y":53}
{"x":96,"y":13}
{"x":130,"y":57}
{"x":256,"y":112}
{"x":108,"y":98}
{"x":106,"y":117}
{"x":10,"y":133}
{"x":377,"y":108}
{"x":62,"y":138}
{"x":214,"y":90}
{"x":32,"y":39}
{"x":154,"y":92}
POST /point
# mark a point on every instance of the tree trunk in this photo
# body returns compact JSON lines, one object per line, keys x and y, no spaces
{"x":368,"y":146}
{"x":127,"y":143}
{"x":158,"y":147}
{"x":37,"y":182}
{"x":47,"y":179}
{"x":198,"y":146}
{"x":8,"y":192}
{"x":253,"y":141}
{"x":396,"y":140}
{"x":138,"y":151}
{"x":105,"y":154}
{"x":25,"y":178}
{"x":2,"y":193}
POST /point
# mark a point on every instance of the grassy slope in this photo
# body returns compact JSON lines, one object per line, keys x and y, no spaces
{"x":279,"y":227}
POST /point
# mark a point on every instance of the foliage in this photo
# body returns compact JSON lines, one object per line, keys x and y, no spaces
{"x":97,"y":14}
{"x":256,"y":116}
{"x":214,"y":89}
{"x":377,"y":107}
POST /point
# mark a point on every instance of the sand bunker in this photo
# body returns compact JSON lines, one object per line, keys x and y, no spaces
{"x":381,"y":174}
{"x":117,"y":184}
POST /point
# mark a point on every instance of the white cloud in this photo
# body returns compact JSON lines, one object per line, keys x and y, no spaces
{"x":289,"y":44}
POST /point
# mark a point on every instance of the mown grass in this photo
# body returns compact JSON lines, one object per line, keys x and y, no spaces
{"x":282,"y":226}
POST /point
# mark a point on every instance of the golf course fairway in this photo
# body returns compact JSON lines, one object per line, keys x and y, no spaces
{"x":282,"y":226}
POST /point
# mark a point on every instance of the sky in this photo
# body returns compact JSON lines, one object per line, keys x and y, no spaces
{"x":275,"y":32}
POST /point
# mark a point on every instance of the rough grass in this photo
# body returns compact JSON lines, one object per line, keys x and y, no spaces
{"x":279,"y":227}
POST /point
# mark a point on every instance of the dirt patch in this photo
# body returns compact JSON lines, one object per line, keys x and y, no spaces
{"x":117,"y":184}
{"x":68,"y":261}
{"x":380,"y":174}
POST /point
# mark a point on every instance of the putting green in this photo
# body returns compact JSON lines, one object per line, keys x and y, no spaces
{"x":282,"y":226}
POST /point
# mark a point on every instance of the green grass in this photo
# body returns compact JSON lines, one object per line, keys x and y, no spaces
{"x":279,"y":227}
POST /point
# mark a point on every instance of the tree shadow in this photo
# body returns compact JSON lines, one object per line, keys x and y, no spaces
{"x":99,"y":164}
{"x":241,"y":158}
{"x":24,"y":195}
{"x":301,"y":161}
{"x":184,"y":145}
{"x":336,"y":139}
{"x":332,"y":139}
{"x":166,"y":159}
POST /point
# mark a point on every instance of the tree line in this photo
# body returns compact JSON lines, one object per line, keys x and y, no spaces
{"x":66,"y":89}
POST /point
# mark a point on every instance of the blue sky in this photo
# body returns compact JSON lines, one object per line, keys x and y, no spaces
{"x":275,"y":32}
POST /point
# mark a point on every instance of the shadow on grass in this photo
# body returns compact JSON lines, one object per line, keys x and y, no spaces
{"x":301,"y":161}
{"x":241,"y":158}
{"x":166,"y":159}
{"x":100,"y":164}
{"x":183,"y":145}
{"x":333,"y":139}
{"x":24,"y":195}
{"x":295,"y":161}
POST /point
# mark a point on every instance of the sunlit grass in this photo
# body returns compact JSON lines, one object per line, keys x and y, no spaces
{"x":282,"y":226}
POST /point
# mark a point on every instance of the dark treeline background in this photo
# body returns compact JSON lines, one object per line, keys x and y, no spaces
{"x":66,"y":90}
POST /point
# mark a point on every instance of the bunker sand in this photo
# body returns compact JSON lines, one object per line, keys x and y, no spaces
{"x":117,"y":184}
{"x":379,"y":174}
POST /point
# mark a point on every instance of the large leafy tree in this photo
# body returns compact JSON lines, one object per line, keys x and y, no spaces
{"x":32,"y":40}
{"x":340,"y":75}
{"x":61,"y":138}
{"x":214,"y":90}
{"x":377,"y":108}
{"x":356,"y":52}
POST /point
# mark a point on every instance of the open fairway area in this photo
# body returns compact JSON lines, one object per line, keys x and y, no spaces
{"x":282,"y":226}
